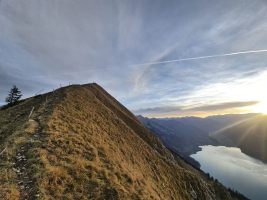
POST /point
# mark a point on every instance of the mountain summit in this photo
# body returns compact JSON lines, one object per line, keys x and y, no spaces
{"x":78,"y":142}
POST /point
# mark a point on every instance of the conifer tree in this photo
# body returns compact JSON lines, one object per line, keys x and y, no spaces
{"x":14,"y":95}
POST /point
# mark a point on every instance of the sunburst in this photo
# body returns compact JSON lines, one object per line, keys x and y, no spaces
{"x":261,"y":107}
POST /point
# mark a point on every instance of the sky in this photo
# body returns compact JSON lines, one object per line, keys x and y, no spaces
{"x":123,"y":45}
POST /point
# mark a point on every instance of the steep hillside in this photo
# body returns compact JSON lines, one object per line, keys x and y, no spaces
{"x":80,"y":143}
{"x":250,"y":136}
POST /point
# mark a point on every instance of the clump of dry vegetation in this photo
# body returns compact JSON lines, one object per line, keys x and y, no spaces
{"x":82,"y":144}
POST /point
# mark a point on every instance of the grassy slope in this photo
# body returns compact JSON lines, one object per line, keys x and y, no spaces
{"x":85,"y":145}
{"x":18,"y":131}
{"x":250,"y":136}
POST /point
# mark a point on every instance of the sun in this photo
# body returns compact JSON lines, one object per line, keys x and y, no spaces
{"x":261,"y":107}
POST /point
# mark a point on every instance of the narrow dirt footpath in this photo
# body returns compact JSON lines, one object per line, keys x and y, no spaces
{"x":25,"y":179}
{"x":26,"y":160}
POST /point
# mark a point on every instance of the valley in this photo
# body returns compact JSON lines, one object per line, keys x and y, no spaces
{"x":230,"y":148}
{"x":184,"y":135}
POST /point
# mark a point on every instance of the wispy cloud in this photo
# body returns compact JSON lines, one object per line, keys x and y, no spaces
{"x":222,"y":106}
{"x":203,"y":57}
{"x":184,"y":110}
{"x":47,"y":43}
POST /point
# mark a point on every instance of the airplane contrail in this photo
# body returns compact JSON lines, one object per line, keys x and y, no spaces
{"x":202,"y":57}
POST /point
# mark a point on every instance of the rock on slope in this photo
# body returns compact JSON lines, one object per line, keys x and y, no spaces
{"x":80,"y":143}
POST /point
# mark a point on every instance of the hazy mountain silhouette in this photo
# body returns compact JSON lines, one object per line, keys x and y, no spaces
{"x":184,"y":135}
{"x":249,"y":135}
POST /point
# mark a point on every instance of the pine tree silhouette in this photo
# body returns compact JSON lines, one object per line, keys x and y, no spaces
{"x":14,"y":95}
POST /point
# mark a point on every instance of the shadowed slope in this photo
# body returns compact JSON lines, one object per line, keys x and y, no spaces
{"x":80,"y":143}
{"x":184,"y":135}
{"x":250,"y":136}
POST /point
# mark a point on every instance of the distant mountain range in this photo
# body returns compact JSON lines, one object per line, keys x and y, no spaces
{"x":185,"y":135}
{"x":249,"y":135}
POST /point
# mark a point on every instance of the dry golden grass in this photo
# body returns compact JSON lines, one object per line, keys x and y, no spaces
{"x":15,"y":131}
{"x":91,"y":147}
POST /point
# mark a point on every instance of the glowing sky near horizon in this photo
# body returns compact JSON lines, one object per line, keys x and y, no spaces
{"x":159,"y":58}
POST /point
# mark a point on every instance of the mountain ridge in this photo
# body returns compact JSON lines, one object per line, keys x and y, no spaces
{"x":81,"y":143}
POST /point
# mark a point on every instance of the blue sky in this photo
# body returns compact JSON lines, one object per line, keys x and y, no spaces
{"x":45,"y":44}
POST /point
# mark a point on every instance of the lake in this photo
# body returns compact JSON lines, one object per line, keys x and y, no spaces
{"x":235,"y":170}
